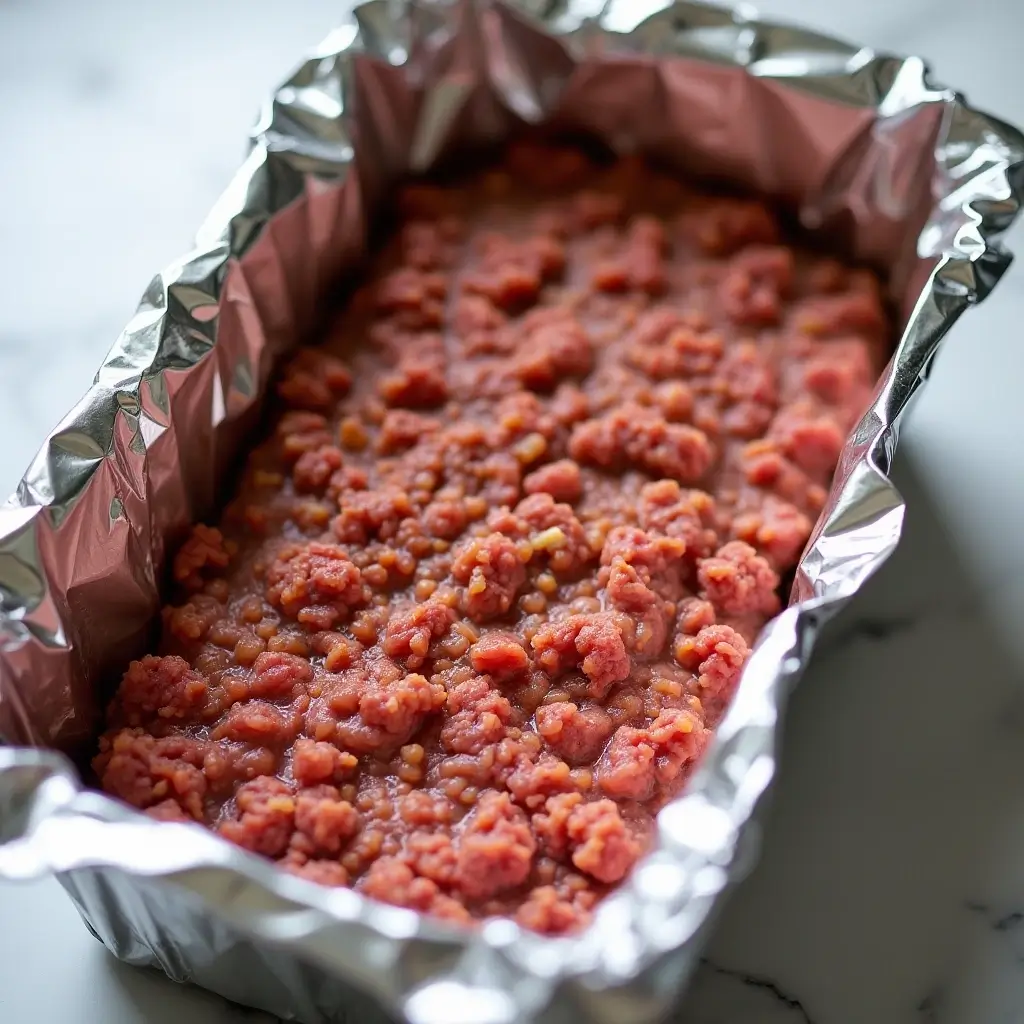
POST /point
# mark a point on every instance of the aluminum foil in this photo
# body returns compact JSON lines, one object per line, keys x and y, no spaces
{"x":883,"y":163}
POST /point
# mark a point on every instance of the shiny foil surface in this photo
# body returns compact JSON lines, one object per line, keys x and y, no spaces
{"x":885,"y":165}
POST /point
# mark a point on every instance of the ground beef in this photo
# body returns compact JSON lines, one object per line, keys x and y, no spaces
{"x":314,"y":763}
{"x":501,"y":655}
{"x":410,"y":631}
{"x":536,"y":778}
{"x":738,"y":580}
{"x":495,"y":850}
{"x":562,"y":480}
{"x":264,"y":817}
{"x":636,"y":437}
{"x":206,"y":547}
{"x":324,"y":821}
{"x":277,"y":676}
{"x":690,"y":516}
{"x":148,"y":772}
{"x":399,"y":706}
{"x":315,"y":583}
{"x":478,"y":715}
{"x":323,"y":872}
{"x":717,"y":655}
{"x":637,"y":762}
{"x":577,"y":735}
{"x":490,"y":582}
{"x":393,"y":881}
{"x":593,"y":642}
{"x":167,"y":688}
{"x":602,"y":845}
{"x":491,"y":568}
{"x":553,"y":910}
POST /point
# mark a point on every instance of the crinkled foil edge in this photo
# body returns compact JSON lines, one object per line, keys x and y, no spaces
{"x":646,"y":936}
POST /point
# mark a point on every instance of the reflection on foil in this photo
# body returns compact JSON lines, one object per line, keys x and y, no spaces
{"x":886,"y":165}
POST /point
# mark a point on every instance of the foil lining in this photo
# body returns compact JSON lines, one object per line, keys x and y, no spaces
{"x":871,"y":154}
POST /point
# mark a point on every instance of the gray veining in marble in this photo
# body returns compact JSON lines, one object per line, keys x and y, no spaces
{"x":891,"y":884}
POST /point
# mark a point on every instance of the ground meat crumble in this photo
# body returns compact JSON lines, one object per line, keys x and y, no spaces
{"x":485,"y":591}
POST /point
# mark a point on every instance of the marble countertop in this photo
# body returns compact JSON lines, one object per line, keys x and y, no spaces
{"x":891,"y":884}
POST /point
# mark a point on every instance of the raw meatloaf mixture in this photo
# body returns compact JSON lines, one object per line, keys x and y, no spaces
{"x":487,"y":588}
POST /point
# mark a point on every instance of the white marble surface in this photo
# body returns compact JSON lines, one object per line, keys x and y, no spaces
{"x":891,"y":885}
